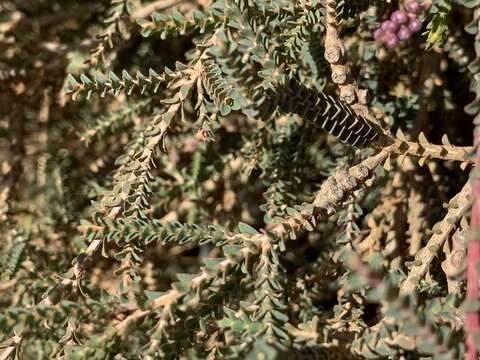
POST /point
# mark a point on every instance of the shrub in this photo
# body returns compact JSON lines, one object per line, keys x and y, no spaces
{"x":239,"y":179}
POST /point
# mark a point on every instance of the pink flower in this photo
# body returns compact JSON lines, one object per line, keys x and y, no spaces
{"x":389,"y":26}
{"x":391,"y":40}
{"x":413,"y":7}
{"x":399,"y":17}
{"x":414,"y":25}
{"x":404,"y":33}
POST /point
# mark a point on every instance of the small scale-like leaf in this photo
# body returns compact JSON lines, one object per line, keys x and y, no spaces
{"x":245,"y":228}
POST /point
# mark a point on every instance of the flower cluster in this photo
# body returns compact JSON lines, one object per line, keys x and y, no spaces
{"x":401,"y":25}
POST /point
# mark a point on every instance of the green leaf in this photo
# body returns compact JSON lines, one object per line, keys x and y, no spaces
{"x":279,"y":316}
{"x":245,"y":228}
{"x":212,"y":263}
{"x":152,"y":295}
{"x":225,"y":323}
{"x":261,"y":350}
{"x":72,"y":81}
{"x":232,"y":249}
{"x":85,"y":79}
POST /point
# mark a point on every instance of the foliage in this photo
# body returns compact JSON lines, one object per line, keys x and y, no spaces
{"x":235,"y":179}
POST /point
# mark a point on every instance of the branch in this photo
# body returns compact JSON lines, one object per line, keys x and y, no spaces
{"x":333,"y":193}
{"x":454,"y":265}
{"x":136,"y":174}
{"x":336,"y":55}
{"x":426,"y":150}
{"x":457,"y":207}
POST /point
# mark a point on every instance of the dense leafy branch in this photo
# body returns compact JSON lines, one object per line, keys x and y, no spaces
{"x":265,"y":190}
